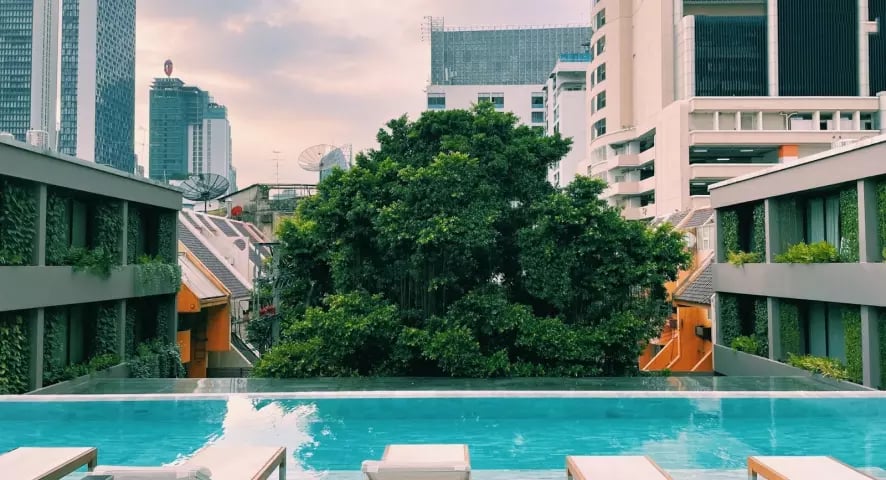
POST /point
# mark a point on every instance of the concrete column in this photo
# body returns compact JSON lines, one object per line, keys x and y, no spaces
{"x":121,"y":329}
{"x":760,"y":120}
{"x":772,"y":35}
{"x":124,"y":232}
{"x":716,"y":334}
{"x":881,"y":114}
{"x":738,"y":120}
{"x":870,"y":250}
{"x":864,"y":60}
{"x":838,"y":123}
{"x":870,"y":346}
{"x":856,"y":120}
{"x":716,"y":120}
{"x":36,"y":327}
{"x":773,"y":306}
{"x":770,"y":209}
{"x":173,"y":316}
{"x":816,"y":120}
{"x":40,"y":237}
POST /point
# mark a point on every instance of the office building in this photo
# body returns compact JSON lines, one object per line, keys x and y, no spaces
{"x":507,"y":66}
{"x":29,"y":70}
{"x":189,"y":133}
{"x":98,"y":82}
{"x":697,"y":92}
{"x":565,"y":101}
{"x":799,"y":265}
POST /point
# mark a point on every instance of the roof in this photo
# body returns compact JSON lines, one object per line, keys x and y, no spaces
{"x":867,"y":142}
{"x":197,"y":281}
{"x":701,"y":288}
{"x":698,"y":218}
{"x":218,"y":268}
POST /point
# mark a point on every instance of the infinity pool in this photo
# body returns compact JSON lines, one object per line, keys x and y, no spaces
{"x":330,"y":437}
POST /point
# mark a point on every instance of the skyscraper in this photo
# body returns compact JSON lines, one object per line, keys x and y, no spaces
{"x":189,"y":133}
{"x":28,"y":69}
{"x":98,"y":81}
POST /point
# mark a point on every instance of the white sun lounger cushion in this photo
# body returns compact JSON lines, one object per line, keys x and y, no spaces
{"x":156,"y":473}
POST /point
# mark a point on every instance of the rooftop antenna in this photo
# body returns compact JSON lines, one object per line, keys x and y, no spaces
{"x":204,"y":187}
{"x":276,"y":160}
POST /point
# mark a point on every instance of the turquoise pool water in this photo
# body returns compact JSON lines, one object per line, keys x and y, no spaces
{"x":335,"y":435}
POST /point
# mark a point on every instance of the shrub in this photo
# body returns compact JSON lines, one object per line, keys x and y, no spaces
{"x":746,"y":344}
{"x":819,"y":252}
{"x":825,"y":366}
{"x":740,"y":258}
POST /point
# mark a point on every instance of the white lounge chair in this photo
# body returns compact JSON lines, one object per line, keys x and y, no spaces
{"x":212,"y":463}
{"x":45,"y":463}
{"x":420,"y":462}
{"x":802,"y":468}
{"x":613,"y":468}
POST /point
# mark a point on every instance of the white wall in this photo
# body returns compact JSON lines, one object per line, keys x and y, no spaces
{"x":86,"y":81}
{"x":216,"y":149}
{"x":518,"y":98}
{"x":572,"y":123}
{"x":44,"y":69}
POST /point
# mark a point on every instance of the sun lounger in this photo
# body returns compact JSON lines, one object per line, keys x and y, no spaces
{"x":613,"y":468}
{"x":802,"y":468}
{"x":212,"y":463}
{"x":49,"y":463}
{"x":420,"y":462}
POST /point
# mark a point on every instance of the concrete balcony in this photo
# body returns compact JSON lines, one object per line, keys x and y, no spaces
{"x":37,"y":287}
{"x":724,"y":170}
{"x":859,"y":283}
{"x":627,"y":160}
{"x":775,"y":137}
{"x":647,"y":185}
{"x":640,"y":213}
{"x":622,"y":189}
{"x":646,"y":157}
{"x":782,"y":104}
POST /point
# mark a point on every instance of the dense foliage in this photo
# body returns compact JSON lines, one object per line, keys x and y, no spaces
{"x":18,"y":222}
{"x":14,"y":350}
{"x":446,"y":252}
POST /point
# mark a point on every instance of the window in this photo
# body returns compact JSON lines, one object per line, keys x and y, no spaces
{"x":538,"y":117}
{"x":497,"y":99}
{"x":823,"y":219}
{"x":601,"y":46}
{"x":538,"y":100}
{"x":599,"y":128}
{"x":436,"y":101}
{"x":601,"y":18}
{"x":601,"y":73}
{"x":600,"y":101}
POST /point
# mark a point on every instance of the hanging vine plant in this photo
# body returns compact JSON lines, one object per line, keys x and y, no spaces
{"x":107,"y":227}
{"x":55,"y":333}
{"x":134,"y":228}
{"x":18,"y":222}
{"x":58,"y":231}
{"x":166,"y":232}
{"x":106,"y":321}
{"x":154,"y":276}
{"x":14,"y":351}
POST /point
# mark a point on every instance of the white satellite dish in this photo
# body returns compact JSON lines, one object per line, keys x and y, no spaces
{"x":319,"y":157}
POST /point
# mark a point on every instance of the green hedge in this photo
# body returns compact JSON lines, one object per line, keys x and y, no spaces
{"x":166,"y":231}
{"x":728,"y":320}
{"x":106,"y":321}
{"x":55,"y":335}
{"x":157,"y":359}
{"x":849,"y":226}
{"x":107,"y":222}
{"x":758,"y":235}
{"x":852,"y":339}
{"x":58,"y":228}
{"x":761,"y":325}
{"x":18,"y":222}
{"x":14,"y":351}
{"x":129,"y":334}
{"x":135,"y":226}
{"x":789,"y":327}
{"x":729,"y":231}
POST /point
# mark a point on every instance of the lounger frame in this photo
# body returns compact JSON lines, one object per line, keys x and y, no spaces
{"x":573,"y":472}
{"x":756,"y":468}
{"x":88,"y":457}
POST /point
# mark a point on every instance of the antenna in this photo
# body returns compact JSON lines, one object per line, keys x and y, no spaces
{"x":276,"y":160}
{"x":204,"y":187}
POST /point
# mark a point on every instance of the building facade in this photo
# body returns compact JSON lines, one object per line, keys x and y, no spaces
{"x":800,"y":267}
{"x":697,"y":92}
{"x":98,"y":82}
{"x":29,"y":70}
{"x":565,"y":99}
{"x":60,"y":310}
{"x":189,"y":133}
{"x":507,"y":66}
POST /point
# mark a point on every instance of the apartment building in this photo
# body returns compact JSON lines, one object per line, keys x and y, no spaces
{"x":565,"y":97}
{"x":800,"y":267}
{"x":699,"y":91}
{"x":87,"y":264}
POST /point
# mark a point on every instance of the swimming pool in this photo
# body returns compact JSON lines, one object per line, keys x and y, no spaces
{"x":332,"y":436}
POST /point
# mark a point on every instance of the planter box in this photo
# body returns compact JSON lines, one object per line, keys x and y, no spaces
{"x":35,"y":287}
{"x":730,"y":362}
{"x":853,"y":283}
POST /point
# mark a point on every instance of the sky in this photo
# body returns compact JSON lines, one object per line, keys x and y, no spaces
{"x":296,"y":73}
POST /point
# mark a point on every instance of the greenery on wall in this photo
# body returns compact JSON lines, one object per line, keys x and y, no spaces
{"x":96,"y":261}
{"x":729,"y":231}
{"x":157,"y":359}
{"x":153,"y":275}
{"x":129,"y":334}
{"x":728,"y":319}
{"x":165,"y":306}
{"x":818,"y":252}
{"x":849,"y":225}
{"x":134,"y":228}
{"x":166,"y":232}
{"x":852,"y":339}
{"x":107,"y":226}
{"x":18,"y":222}
{"x":55,"y":334}
{"x":95,"y":364}
{"x":106,"y":321}
{"x":761,"y":326}
{"x":758,"y":234}
{"x":58,"y":228}
{"x":881,"y":213}
{"x":789,"y":327}
{"x":14,"y":348}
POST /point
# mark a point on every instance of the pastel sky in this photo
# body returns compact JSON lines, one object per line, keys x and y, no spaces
{"x":294,"y":73}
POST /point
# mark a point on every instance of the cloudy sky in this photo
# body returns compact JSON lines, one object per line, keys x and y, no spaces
{"x":294,"y":73}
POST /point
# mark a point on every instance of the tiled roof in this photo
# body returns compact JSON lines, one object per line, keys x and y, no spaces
{"x":223,"y":226}
{"x":240,"y":243}
{"x":189,"y":217}
{"x":698,"y":218}
{"x":701,"y":289}
{"x":678,"y":217}
{"x":205,"y":222}
{"x":213,"y":263}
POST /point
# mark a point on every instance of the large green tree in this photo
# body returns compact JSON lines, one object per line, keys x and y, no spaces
{"x":446,"y":252}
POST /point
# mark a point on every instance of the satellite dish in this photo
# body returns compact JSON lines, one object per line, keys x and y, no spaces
{"x":204,"y":187}
{"x":321,"y":157}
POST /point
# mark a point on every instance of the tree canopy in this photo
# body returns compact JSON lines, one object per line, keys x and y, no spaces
{"x":445,"y":252}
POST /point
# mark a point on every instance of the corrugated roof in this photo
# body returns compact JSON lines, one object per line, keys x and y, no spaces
{"x":223,"y":226}
{"x":678,"y":217}
{"x":197,"y":281}
{"x":699,"y":217}
{"x":213,"y":263}
{"x":240,"y":243}
{"x":701,"y":289}
{"x":190,"y":219}
{"x":205,"y":222}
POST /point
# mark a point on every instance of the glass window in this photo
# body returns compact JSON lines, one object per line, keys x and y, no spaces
{"x":601,"y":45}
{"x":498,"y":100}
{"x":538,"y":117}
{"x":436,"y":101}
{"x":601,"y":100}
{"x":601,"y":73}
{"x":538,"y":101}
{"x":599,"y":128}
{"x":601,"y":18}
